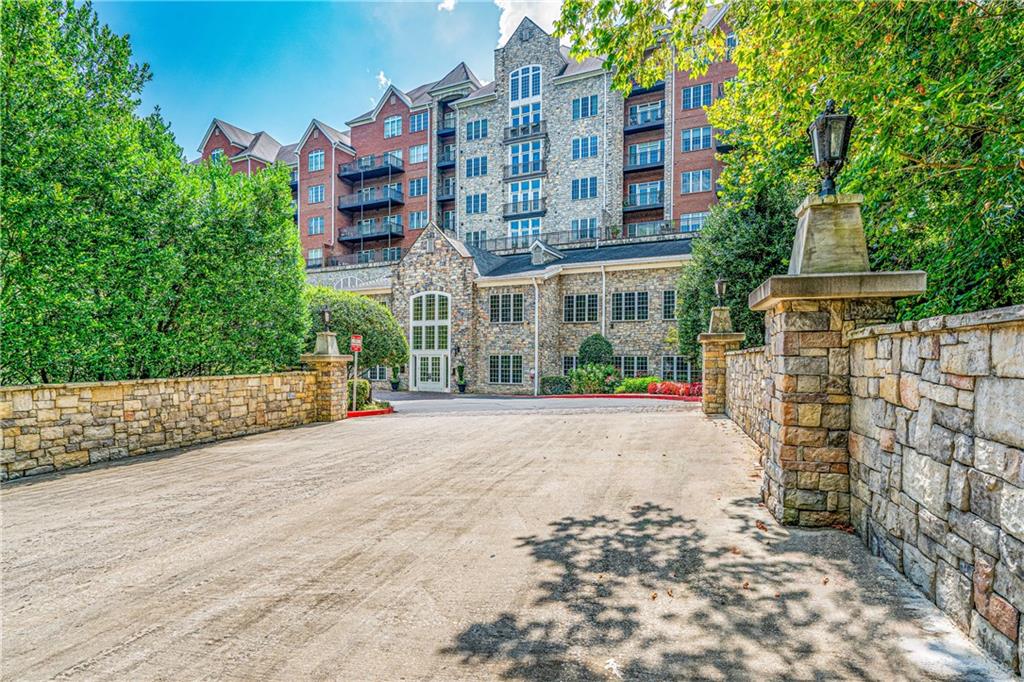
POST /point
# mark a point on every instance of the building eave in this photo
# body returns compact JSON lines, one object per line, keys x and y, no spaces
{"x":619,"y":265}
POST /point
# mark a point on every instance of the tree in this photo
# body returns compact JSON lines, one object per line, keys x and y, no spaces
{"x":595,"y":350}
{"x":746,"y":243}
{"x":117,"y":261}
{"x":936,"y":89}
{"x":383,"y":339}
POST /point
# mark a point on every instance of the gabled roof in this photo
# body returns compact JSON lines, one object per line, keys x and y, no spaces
{"x":713,"y":15}
{"x":575,"y":68}
{"x":481,"y":93}
{"x":287,"y":154}
{"x":525,"y":24}
{"x":235,"y":135}
{"x":263,"y":147}
{"x":372,"y":113}
{"x":457,"y":76}
{"x":519,"y":264}
{"x":335,"y":136}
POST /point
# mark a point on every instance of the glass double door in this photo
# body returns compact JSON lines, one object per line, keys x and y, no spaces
{"x":429,"y":338}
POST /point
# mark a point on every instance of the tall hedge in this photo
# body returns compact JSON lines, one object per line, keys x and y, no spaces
{"x":117,"y":261}
{"x":595,"y":350}
{"x":383,"y":339}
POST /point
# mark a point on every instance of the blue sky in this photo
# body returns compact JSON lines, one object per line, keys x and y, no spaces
{"x":275,"y":65}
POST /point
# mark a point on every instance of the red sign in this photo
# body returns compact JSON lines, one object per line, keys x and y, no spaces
{"x":356,"y":343}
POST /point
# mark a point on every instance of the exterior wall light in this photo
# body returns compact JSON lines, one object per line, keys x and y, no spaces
{"x":830,"y":140}
{"x":325,"y":315}
{"x":720,"y":290}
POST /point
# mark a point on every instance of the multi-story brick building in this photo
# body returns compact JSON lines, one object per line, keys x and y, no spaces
{"x":553,"y":206}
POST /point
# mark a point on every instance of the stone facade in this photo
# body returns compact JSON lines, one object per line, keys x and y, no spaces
{"x":937,"y":463}
{"x":748,"y":392}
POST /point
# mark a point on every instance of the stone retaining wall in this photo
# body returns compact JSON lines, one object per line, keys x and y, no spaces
{"x":58,"y":426}
{"x":748,"y":394}
{"x":937,"y":463}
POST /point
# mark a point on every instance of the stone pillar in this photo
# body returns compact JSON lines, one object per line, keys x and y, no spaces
{"x":719,"y":339}
{"x":331,"y":369}
{"x":809,"y":313}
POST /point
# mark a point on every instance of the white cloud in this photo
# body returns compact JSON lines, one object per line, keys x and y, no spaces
{"x":446,"y":6}
{"x":382,"y":81}
{"x":542,"y":12}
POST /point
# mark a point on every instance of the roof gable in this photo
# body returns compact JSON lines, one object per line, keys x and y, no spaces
{"x":371,"y":115}
{"x":335,"y":136}
{"x":457,"y":76}
{"x":236,"y":136}
{"x":525,"y":31}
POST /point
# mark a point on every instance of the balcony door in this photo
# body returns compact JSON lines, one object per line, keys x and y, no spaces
{"x":429,"y":341}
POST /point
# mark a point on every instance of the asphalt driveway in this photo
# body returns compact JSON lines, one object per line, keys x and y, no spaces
{"x":543,"y":540}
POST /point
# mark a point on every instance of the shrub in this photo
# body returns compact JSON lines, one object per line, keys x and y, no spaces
{"x":674,"y":388}
{"x":635,"y":384}
{"x":383,"y":339}
{"x":362,"y":389}
{"x":595,"y":350}
{"x":557,"y":385}
{"x":594,"y":379}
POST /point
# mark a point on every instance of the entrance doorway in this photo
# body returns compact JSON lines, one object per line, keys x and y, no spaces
{"x":429,"y":341}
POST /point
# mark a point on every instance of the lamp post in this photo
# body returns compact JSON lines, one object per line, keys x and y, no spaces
{"x":720,"y":290}
{"x":830,"y":140}
{"x":325,"y":315}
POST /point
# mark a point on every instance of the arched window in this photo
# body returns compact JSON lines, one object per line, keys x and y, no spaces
{"x":525,"y":83}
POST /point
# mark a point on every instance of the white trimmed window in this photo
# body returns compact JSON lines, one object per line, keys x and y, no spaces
{"x":522,"y":232}
{"x":417,"y":220}
{"x":525,"y":193}
{"x":476,"y":166}
{"x":645,"y":229}
{"x":584,"y":107}
{"x":392,"y":126}
{"x":644,"y":153}
{"x":692,"y":182}
{"x":476,"y":203}
{"x":524,"y":83}
{"x":630,"y":365}
{"x":316,"y":194}
{"x":668,"y":304}
{"x":646,"y":193}
{"x":378,"y":373}
{"x":584,"y":228}
{"x":696,"y":138}
{"x":579,"y":308}
{"x":476,"y":237}
{"x":584,"y":147}
{"x":418,"y":154}
{"x":697,"y":96}
{"x":691,"y":222}
{"x":216,"y":154}
{"x":629,"y":306}
{"x":505,"y":369}
{"x":526,"y":157}
{"x":584,"y":188}
{"x":315,"y":225}
{"x":476,"y":130}
{"x":418,"y":186}
{"x":418,"y":121}
{"x":525,"y":114}
{"x":569,"y":363}
{"x":677,"y":368}
{"x":391,"y":253}
{"x":645,"y":113}
{"x":506,"y":308}
{"x":314,"y":257}
{"x":315,"y":162}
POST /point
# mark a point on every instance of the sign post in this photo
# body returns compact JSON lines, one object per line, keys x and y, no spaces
{"x":355,"y":345}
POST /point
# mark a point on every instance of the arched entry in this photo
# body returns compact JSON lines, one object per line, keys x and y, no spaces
{"x":429,"y":341}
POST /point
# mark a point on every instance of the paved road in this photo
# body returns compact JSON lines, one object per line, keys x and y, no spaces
{"x":543,"y":543}
{"x":406,"y":403}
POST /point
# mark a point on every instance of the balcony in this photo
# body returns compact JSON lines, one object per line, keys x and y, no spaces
{"x":369,"y":167}
{"x":657,"y":86}
{"x":369,"y":200}
{"x":525,"y":208}
{"x":446,"y":159}
{"x":645,"y":120}
{"x":524,"y":169}
{"x":385,"y":228}
{"x":723,"y":143}
{"x":643,"y":201}
{"x":366,"y":257}
{"x":446,"y":191}
{"x":447,"y":127}
{"x":644,"y":161}
{"x":294,"y":181}
{"x":526,"y":131}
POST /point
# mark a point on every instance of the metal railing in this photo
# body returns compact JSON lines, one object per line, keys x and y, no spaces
{"x":645,"y":159}
{"x":374,"y":162}
{"x":446,"y":190}
{"x":520,"y":168}
{"x":384,"y":227}
{"x":447,"y":157}
{"x":447,"y":126}
{"x":524,"y":207}
{"x":594,"y":236}
{"x":379,"y":195}
{"x":646,"y":117}
{"x":526,"y":130}
{"x":384,"y":256}
{"x":643,"y":200}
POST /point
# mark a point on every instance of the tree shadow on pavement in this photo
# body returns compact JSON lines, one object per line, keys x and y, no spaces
{"x":647,"y":597}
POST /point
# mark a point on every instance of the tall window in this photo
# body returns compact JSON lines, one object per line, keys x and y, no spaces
{"x":316,"y":194}
{"x":505,"y":369}
{"x":430,"y":322}
{"x":579,"y":308}
{"x":506,"y":308}
{"x":525,"y":194}
{"x":677,"y":368}
{"x":522,"y":232}
{"x":476,"y":166}
{"x":418,"y":153}
{"x":316,"y":225}
{"x":216,"y":154}
{"x":584,"y":188}
{"x":646,"y":113}
{"x":691,"y":222}
{"x":417,"y":122}
{"x":584,"y":228}
{"x":476,"y":130}
{"x":629,"y":306}
{"x":569,"y":363}
{"x":476,"y":203}
{"x":697,"y":96}
{"x":314,"y":258}
{"x":392,"y":126}
{"x":417,"y":220}
{"x":524,"y":83}
{"x":584,"y":107}
{"x":526,"y":157}
{"x":526,"y":114}
{"x":668,"y":304}
{"x":696,"y":138}
{"x":646,"y":193}
{"x":316,"y":160}
{"x":692,"y":182}
{"x":584,"y":147}
{"x":630,"y":365}
{"x":476,"y":237}
{"x":644,"y":153}
{"x":418,"y":186}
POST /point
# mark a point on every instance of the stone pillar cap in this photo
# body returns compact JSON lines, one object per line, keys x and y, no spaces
{"x":815,"y":200}
{"x":838,"y":285}
{"x":309,"y":358}
{"x":726,"y":337}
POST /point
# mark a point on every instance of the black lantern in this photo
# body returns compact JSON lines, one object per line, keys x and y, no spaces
{"x":830,"y":140}
{"x":325,"y":315}
{"x":720,"y":289}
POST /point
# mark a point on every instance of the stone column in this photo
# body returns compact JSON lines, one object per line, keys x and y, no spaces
{"x":828,"y":293}
{"x":719,"y":339}
{"x":331,"y":369}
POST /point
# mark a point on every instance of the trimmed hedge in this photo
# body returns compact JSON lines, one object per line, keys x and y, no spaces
{"x":595,"y":350}
{"x":635,"y":384}
{"x":594,"y":379}
{"x":556,"y":385}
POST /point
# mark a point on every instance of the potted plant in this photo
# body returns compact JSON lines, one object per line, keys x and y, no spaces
{"x":460,"y":380}
{"x":394,"y":378}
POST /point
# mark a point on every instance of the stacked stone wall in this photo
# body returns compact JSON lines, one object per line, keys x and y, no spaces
{"x":52,"y":427}
{"x":937,"y":463}
{"x":748,"y":392}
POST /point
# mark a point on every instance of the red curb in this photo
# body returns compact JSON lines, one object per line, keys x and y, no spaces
{"x":649,"y":396}
{"x":370,"y":413}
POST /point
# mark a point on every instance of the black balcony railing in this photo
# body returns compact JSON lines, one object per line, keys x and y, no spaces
{"x":293,"y":182}
{"x":446,"y":159}
{"x":371,"y":199}
{"x":446,"y":191}
{"x":526,"y":131}
{"x":382,"y":256}
{"x":648,"y":119}
{"x":447,"y":126}
{"x":595,"y":236}
{"x":368,"y":167}
{"x":642,"y":201}
{"x":638,"y":90}
{"x":525,"y":208}
{"x":644,"y":161}
{"x":372,"y":229}
{"x":518,"y":169}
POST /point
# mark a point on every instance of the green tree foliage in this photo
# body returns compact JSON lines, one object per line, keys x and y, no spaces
{"x":383,"y":339}
{"x":595,"y":350}
{"x":938,"y":88}
{"x":589,"y":379}
{"x":116,"y":261}
{"x":746,"y":243}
